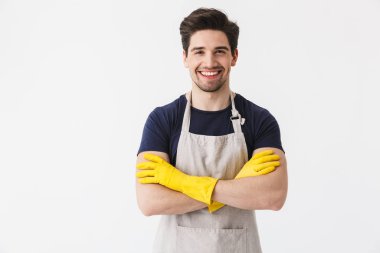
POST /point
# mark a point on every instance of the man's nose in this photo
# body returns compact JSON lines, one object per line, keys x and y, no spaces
{"x":210,"y":61}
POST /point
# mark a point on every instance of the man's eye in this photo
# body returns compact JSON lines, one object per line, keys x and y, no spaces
{"x":219,"y":51}
{"x":198,"y":52}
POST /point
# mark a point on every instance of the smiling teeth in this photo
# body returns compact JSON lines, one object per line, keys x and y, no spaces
{"x":209,"y":73}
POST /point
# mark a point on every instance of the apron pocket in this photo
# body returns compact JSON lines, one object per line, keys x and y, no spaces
{"x":211,"y":240}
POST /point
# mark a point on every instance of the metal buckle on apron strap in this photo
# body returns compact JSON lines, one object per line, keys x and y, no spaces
{"x":242,"y":120}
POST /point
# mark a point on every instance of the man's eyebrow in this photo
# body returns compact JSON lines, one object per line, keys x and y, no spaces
{"x":225,"y":48}
{"x":197,"y":48}
{"x":217,"y":48}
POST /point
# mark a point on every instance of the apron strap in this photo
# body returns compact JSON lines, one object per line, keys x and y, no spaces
{"x":236,"y":118}
{"x":186,"y":115}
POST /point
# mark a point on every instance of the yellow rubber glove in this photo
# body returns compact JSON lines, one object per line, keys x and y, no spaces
{"x":158,"y":171}
{"x":260,"y":164}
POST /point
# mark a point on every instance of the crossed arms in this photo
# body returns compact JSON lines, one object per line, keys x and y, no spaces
{"x":265,"y":192}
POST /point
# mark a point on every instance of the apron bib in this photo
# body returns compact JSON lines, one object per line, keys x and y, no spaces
{"x":227,"y":230}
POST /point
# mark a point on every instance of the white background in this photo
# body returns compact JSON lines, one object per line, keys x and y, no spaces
{"x":79,"y":78}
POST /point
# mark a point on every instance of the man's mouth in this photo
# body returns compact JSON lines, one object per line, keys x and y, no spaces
{"x":210,"y":74}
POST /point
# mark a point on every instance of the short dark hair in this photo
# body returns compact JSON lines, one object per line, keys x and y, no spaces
{"x":208,"y":18}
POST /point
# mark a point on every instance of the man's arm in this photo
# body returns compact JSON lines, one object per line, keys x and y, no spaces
{"x":156,"y":199}
{"x":266,"y":192}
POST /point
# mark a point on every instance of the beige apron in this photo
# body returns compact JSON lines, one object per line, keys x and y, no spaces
{"x":227,"y":230}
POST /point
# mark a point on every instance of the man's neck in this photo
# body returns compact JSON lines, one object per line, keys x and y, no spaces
{"x":210,"y":101}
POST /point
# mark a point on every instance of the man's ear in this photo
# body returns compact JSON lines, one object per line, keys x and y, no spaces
{"x":184,"y":58}
{"x":234,"y":57}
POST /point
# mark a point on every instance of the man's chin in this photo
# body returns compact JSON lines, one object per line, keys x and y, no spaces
{"x":210,"y":88}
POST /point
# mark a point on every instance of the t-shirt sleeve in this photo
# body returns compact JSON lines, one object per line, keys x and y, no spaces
{"x":268,"y":132}
{"x":155,"y":135}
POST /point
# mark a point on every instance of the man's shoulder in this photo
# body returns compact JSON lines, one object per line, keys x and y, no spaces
{"x":169,"y":114}
{"x":248,"y":106}
{"x":171,"y":107}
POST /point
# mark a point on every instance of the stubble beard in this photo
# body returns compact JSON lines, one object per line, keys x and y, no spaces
{"x":220,"y":84}
{"x":212,"y":89}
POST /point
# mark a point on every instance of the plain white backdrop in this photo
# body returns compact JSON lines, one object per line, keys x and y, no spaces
{"x":79,"y":78}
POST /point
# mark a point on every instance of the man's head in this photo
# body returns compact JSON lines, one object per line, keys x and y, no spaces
{"x":208,"y":19}
{"x":209,"y":42}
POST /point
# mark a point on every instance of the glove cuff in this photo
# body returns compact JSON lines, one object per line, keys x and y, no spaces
{"x":199,"y":188}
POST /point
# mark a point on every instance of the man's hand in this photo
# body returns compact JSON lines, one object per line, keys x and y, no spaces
{"x":158,"y":171}
{"x":260,"y":164}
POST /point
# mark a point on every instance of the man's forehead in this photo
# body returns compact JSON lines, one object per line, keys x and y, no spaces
{"x":208,"y":39}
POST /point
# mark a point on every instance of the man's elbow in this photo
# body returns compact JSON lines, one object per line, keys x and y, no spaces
{"x":278,"y":201}
{"x":277,"y":205}
{"x":273,"y":203}
{"x":147,"y":199}
{"x":146,"y":208}
{"x":146,"y":202}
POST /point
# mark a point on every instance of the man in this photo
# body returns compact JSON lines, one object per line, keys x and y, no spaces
{"x":211,"y":157}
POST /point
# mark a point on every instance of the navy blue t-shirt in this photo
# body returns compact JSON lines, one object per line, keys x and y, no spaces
{"x":163,"y":126}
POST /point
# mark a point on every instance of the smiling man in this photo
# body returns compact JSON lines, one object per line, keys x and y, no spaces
{"x":211,"y":157}
{"x":209,"y":77}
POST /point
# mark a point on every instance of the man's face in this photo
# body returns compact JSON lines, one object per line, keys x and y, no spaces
{"x":209,"y":59}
